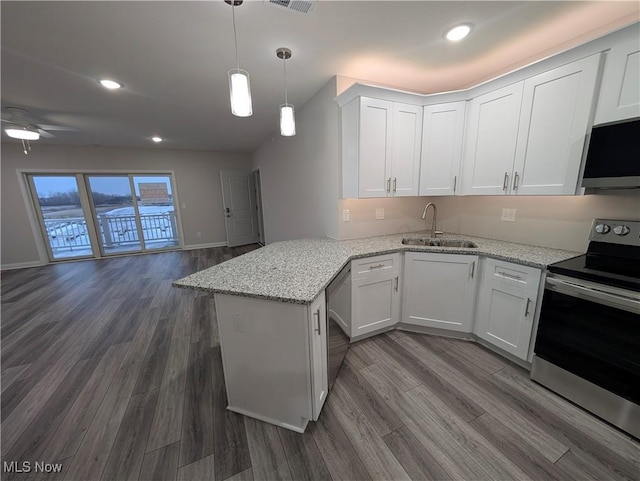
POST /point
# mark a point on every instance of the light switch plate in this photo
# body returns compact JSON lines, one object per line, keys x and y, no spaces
{"x":508,"y":215}
{"x":346,"y":217}
{"x":380,"y":213}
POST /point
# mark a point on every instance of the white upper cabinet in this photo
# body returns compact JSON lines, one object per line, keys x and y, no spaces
{"x":620,"y":91}
{"x":405,"y":149}
{"x":490,"y":143}
{"x":442,"y":133}
{"x":380,"y":148}
{"x":374,"y":166}
{"x":556,"y":109}
{"x":528,"y":138}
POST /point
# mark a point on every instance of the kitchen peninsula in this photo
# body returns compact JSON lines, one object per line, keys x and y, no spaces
{"x":270,"y":304}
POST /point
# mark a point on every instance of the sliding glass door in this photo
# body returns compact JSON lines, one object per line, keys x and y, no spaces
{"x":87,"y":215}
{"x":114,"y":212}
{"x":157,"y":211}
{"x":133,"y":213}
{"x":61,"y":215}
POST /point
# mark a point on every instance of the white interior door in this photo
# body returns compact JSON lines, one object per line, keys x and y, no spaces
{"x":240,"y":211}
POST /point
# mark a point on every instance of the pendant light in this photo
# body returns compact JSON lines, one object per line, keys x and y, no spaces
{"x":287,"y":113}
{"x":239,"y":86}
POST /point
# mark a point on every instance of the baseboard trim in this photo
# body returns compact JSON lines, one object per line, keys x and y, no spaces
{"x":204,"y":246}
{"x":266,"y":419}
{"x":22,"y":265}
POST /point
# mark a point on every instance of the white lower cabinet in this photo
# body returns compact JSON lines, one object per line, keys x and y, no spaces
{"x":274,"y":356}
{"x":318,"y":343}
{"x":439,"y":290}
{"x":506,"y":305}
{"x":375,"y":291}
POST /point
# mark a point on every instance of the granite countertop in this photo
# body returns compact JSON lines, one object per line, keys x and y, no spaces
{"x":297,"y":271}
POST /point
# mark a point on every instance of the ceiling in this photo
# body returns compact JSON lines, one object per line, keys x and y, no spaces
{"x":173,"y":58}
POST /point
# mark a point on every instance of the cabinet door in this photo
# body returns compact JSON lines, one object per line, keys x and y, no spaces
{"x":439,"y":290}
{"x":405,"y":149}
{"x":442,"y":131}
{"x":620,"y":91}
{"x":506,"y":306}
{"x":375,"y":303}
{"x":318,"y":344}
{"x":490,"y":144}
{"x":556,"y":107}
{"x":505,"y":318}
{"x":374,"y":168}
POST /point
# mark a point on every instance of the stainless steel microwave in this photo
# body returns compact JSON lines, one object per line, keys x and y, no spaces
{"x":613,"y":158}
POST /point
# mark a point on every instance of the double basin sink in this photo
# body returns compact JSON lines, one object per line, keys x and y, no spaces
{"x":430,"y":241}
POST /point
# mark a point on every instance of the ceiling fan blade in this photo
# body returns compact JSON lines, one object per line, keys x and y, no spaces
{"x":45,"y":134}
{"x":60,"y":128}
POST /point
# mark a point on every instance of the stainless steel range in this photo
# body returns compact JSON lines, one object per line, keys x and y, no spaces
{"x":588,"y":343}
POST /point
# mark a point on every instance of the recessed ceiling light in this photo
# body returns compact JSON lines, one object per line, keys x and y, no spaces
{"x":110,"y":84}
{"x":156,"y":139}
{"x":458,"y":32}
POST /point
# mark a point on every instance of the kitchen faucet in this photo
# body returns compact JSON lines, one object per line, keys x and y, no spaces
{"x":434,"y":232}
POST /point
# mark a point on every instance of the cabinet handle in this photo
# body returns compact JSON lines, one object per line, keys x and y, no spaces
{"x":526,"y":309}
{"x":455,"y":183}
{"x":389,"y":185}
{"x":395,"y":181}
{"x":377,"y":266}
{"x":473,"y":268}
{"x":317,"y":315}
{"x":505,"y":182}
{"x":510,"y":276}
{"x":515,"y":181}
{"x":396,"y":284}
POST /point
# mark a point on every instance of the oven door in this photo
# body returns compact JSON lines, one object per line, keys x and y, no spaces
{"x":591,"y":333}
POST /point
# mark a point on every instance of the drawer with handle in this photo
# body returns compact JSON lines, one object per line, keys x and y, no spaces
{"x":506,"y":272}
{"x":375,"y":265}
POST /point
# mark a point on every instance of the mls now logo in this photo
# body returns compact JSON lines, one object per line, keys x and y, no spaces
{"x":27,"y":467}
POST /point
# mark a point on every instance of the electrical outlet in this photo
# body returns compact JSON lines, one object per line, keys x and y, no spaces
{"x":508,"y":215}
{"x":346,"y":215}
{"x":184,"y":205}
{"x":380,"y":213}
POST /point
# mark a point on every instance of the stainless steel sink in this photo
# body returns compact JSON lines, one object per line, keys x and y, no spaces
{"x":427,"y":241}
{"x":415,"y":241}
{"x":452,"y":243}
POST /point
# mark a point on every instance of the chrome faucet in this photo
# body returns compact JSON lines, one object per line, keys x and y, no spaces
{"x":434,"y":232}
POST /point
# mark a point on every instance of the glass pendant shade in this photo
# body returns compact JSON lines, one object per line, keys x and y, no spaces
{"x":287,"y":120}
{"x":23,"y":134}
{"x":240,"y":92}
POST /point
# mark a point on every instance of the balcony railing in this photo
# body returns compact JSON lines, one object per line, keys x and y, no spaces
{"x":71,"y":233}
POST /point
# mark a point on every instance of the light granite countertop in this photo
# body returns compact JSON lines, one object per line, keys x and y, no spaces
{"x":297,"y":271}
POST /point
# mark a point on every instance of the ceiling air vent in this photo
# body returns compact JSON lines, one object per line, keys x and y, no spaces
{"x":302,"y":6}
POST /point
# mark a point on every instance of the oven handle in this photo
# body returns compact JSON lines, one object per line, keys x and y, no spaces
{"x":605,"y":295}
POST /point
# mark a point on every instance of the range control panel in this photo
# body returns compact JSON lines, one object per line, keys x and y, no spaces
{"x":626,"y":232}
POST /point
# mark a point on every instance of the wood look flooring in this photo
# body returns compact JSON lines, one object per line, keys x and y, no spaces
{"x":113,"y":374}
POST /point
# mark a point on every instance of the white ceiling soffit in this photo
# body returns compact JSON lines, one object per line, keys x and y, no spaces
{"x":172,"y":58}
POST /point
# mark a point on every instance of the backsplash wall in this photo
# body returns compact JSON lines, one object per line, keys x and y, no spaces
{"x":561,"y":222}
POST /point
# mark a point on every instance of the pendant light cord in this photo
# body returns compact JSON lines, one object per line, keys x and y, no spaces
{"x":235,"y":35}
{"x":284,"y":64}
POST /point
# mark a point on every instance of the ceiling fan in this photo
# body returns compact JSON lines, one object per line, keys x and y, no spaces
{"x":19,"y":126}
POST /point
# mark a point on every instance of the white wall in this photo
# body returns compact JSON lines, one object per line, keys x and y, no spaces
{"x":197,"y":178}
{"x":401,"y":214}
{"x":300,"y":174}
{"x":561,"y":222}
